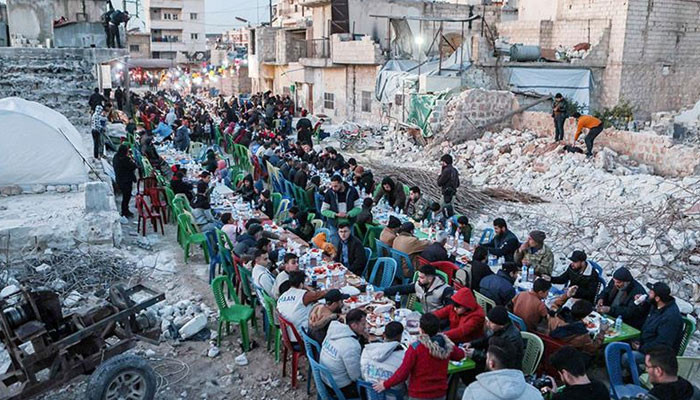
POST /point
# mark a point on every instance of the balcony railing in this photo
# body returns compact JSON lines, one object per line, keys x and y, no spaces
{"x":318,"y":48}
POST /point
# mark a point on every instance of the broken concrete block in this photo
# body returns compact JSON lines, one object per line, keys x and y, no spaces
{"x":98,"y":197}
{"x":43,"y":268}
{"x":38,"y":189}
{"x":63,"y":188}
{"x":8,"y":291}
{"x":193,"y":326}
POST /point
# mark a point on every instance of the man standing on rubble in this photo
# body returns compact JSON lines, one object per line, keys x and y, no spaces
{"x":559,"y":115}
{"x":448,"y":181}
{"x":594,"y":126}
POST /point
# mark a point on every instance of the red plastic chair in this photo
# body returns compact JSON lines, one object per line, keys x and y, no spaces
{"x":446,"y":267}
{"x":296,"y":349}
{"x":147,"y":182}
{"x":158,"y":202}
{"x":146,"y":214}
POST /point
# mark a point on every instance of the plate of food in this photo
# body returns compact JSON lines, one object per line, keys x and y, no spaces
{"x":319,"y":271}
{"x":336,"y":268}
{"x":355,"y":301}
{"x":593,"y":321}
{"x":463,"y":259}
{"x":353,"y":280}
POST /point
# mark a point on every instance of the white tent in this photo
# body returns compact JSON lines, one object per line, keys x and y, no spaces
{"x":38,"y":146}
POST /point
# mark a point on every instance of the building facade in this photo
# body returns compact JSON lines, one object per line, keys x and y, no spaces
{"x":177,"y":30}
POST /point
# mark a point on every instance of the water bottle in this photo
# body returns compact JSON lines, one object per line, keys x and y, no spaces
{"x":523,"y":273}
{"x":397,"y":300}
{"x":618,"y":323}
{"x":531,"y":273}
{"x":370,"y":291}
{"x":281,"y":254}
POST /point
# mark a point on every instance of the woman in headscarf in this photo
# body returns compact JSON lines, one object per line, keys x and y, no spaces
{"x":246,"y":188}
{"x":124,"y":167}
{"x":201,"y":209}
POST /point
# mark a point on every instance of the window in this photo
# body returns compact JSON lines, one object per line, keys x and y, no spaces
{"x":328,"y":101}
{"x":175,"y":17}
{"x":134,"y":48}
{"x":366,"y":101}
{"x":167,"y":16}
{"x":194,"y":36}
{"x":193,"y":15}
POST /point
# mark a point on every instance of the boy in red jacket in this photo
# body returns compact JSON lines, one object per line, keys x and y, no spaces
{"x":425,"y":363}
{"x":465,"y":315}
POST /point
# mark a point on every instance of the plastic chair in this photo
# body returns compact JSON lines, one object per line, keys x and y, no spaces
{"x":313,"y":352}
{"x":551,"y":346}
{"x":146,"y":214}
{"x":273,"y":332}
{"x":412,"y":302}
{"x":368,"y":254}
{"x":235,"y":313}
{"x":613,"y":362}
{"x":689,"y":368}
{"x":688,"y":330}
{"x":224,"y":246}
{"x":323,"y":230}
{"x":373,"y":233}
{"x":169,"y":197}
{"x":294,"y":347}
{"x":317,"y":223}
{"x":518,"y":322}
{"x":190,"y":236}
{"x":388,"y":266}
{"x":534,"y":348}
{"x":214,"y":255}
{"x":282,"y":212}
{"x":596,"y":267}
{"x":486,"y":236}
{"x":276,"y":200}
{"x":367,"y":392}
{"x":382,"y":249}
{"x":402,"y":259}
{"x":485,"y":303}
{"x":322,"y":377}
{"x":196,"y":149}
{"x":448,"y":268}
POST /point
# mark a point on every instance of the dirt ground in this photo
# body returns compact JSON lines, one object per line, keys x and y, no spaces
{"x":187,"y":370}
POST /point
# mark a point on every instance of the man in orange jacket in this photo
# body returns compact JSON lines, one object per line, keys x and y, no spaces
{"x":465,"y":315}
{"x":594,"y":126}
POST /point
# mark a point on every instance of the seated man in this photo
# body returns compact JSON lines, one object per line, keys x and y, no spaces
{"x":530,"y":305}
{"x":534,"y":253}
{"x":479,"y":267}
{"x":341,"y":203}
{"x":417,"y":205}
{"x":571,"y":367}
{"x":571,"y":330}
{"x":581,"y":275}
{"x":431,"y":290}
{"x":349,"y":250}
{"x":380,"y":360}
{"x":664,"y":324}
{"x":504,"y":242}
{"x":465,"y":315}
{"x":464,"y":228}
{"x":389,"y":232}
{"x":409,"y":244}
{"x":265,"y":204}
{"x":619,"y":296}
{"x":499,"y":287}
{"x":504,"y":380}
{"x":289,"y":264}
{"x":323,"y":313}
{"x":365,"y":216}
{"x":262,"y":277}
{"x":342,"y":350}
{"x":295,"y":303}
{"x":436,"y":251}
{"x":498,"y":324}
{"x":662,"y":365}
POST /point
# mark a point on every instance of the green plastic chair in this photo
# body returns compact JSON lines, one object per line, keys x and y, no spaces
{"x":270,"y":306}
{"x":485,"y":303}
{"x":225,"y":254}
{"x":236,"y":312}
{"x":373,"y":233}
{"x":534,"y":348}
{"x":412,"y":302}
{"x":276,"y":200}
{"x":189,"y":236}
{"x":688,"y":330}
{"x":317,"y":223}
{"x":147,"y":167}
{"x":161,"y":179}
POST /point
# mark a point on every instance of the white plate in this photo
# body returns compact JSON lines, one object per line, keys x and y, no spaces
{"x":350,"y":290}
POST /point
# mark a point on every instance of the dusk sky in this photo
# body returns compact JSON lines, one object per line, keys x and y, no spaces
{"x":220,"y":14}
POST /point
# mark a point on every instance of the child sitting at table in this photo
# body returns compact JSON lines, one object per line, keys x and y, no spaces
{"x":265,"y":204}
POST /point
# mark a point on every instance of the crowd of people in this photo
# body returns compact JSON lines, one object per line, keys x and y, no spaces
{"x":453,"y":324}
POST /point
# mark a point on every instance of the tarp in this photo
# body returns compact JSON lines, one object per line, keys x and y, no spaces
{"x":38,"y":146}
{"x":574,"y":83}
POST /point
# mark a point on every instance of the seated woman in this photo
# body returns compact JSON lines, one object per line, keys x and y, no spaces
{"x":223,"y":173}
{"x":179,"y":185}
{"x":201,"y":209}
{"x":246,"y":188}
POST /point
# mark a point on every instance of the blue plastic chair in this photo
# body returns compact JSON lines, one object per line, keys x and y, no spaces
{"x":324,"y":230}
{"x":486,"y":236}
{"x":518,"y":322}
{"x":214,"y":257}
{"x":320,"y":372}
{"x":368,"y":253}
{"x":313,"y":352}
{"x":371,"y":394}
{"x":597,"y":267}
{"x":383,"y":250}
{"x":389,"y":267}
{"x":402,"y":258}
{"x":613,"y":362}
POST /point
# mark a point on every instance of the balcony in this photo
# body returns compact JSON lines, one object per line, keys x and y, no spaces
{"x":318,"y":53}
{"x":314,"y":3}
{"x":167,"y":24}
{"x":167,"y":46}
{"x":166,"y":4}
{"x":360,"y":50}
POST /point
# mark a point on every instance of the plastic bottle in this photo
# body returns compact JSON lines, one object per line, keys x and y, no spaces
{"x":523,"y":273}
{"x":370,"y":291}
{"x":397,"y":300}
{"x":618,"y":323}
{"x":531,"y":273}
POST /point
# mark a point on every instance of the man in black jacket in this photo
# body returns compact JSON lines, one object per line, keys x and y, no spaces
{"x":580,"y":274}
{"x":96,"y":99}
{"x":350,"y":251}
{"x":618,"y":298}
{"x":504,"y":242}
{"x":304,"y":128}
{"x":448,"y":181}
{"x":436,"y":251}
{"x":497,"y":324}
{"x":479,"y":267}
{"x":662,"y":365}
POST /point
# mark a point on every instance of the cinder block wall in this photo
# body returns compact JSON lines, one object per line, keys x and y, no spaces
{"x":473,"y":109}
{"x":62,"y":79}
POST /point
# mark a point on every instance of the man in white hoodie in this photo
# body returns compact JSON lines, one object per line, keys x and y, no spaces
{"x":504,"y":381}
{"x":380,"y":360}
{"x":342,"y":350}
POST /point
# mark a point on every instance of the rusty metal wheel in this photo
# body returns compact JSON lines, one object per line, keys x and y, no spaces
{"x":124,"y":377}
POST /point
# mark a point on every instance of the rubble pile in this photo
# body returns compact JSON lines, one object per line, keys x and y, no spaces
{"x":683,"y":125}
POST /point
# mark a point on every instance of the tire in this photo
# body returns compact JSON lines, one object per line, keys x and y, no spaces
{"x":105,"y":381}
{"x":361,"y":145}
{"x":118,"y":297}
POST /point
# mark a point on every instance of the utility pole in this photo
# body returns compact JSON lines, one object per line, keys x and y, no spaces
{"x":270,"y":12}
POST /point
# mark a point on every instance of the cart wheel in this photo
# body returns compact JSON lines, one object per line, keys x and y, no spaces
{"x":118,"y":297}
{"x":361,"y":145}
{"x":124,"y":377}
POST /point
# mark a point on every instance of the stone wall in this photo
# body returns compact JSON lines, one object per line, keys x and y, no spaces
{"x":62,"y":79}
{"x":659,"y":152}
{"x":472,"y":109}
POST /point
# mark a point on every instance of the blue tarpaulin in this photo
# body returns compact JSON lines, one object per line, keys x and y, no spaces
{"x":574,"y":83}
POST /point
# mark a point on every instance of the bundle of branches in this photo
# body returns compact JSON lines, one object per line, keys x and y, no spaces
{"x":83,"y":271}
{"x":512,"y":196}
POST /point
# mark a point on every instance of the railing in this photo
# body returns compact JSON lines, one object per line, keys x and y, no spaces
{"x":318,"y":48}
{"x":165,"y":39}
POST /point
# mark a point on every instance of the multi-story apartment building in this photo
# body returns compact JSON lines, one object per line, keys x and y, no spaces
{"x":177,"y":30}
